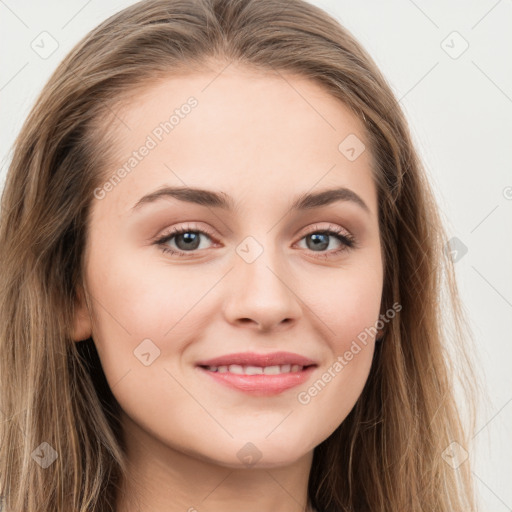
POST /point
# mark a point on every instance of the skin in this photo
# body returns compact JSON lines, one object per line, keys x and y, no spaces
{"x":263,"y":138}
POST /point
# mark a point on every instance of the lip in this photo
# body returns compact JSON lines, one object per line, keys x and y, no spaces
{"x":254,"y":359}
{"x":260,"y":384}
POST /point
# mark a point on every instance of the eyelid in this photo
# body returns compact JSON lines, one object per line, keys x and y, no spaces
{"x":187,"y":226}
{"x":318,"y":228}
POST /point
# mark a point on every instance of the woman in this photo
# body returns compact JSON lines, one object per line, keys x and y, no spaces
{"x":252,"y":363}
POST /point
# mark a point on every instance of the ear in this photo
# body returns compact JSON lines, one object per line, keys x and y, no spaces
{"x":82,"y":327}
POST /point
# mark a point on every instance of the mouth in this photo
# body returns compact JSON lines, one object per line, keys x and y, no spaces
{"x":237,"y":369}
{"x":259,"y":380}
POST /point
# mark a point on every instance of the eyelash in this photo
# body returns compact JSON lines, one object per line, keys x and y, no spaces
{"x":348,"y":241}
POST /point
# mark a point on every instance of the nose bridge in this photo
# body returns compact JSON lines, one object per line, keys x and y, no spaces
{"x":259,"y":265}
{"x":261,"y":284}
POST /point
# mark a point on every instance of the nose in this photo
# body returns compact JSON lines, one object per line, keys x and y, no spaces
{"x":261,"y":295}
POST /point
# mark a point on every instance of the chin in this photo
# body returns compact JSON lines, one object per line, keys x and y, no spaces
{"x":259,"y":454}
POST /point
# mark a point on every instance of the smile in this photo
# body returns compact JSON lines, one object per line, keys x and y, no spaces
{"x":256,"y":370}
{"x":257,"y":380}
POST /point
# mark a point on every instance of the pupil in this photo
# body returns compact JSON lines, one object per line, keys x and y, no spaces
{"x":190,"y":238}
{"x":318,"y":242}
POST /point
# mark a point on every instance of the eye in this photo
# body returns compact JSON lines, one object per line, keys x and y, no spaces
{"x":319,"y":240}
{"x":187,"y":240}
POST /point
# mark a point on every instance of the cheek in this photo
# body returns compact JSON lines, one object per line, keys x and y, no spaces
{"x":142,"y":324}
{"x":347,"y":300}
{"x":348,"y":310}
{"x":145,"y":314}
{"x":354,"y":310}
{"x":142,"y":297}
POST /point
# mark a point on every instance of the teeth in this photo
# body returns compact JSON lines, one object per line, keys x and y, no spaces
{"x":273,"y":370}
{"x":235,"y":368}
{"x":256,"y":370}
{"x":253,"y":370}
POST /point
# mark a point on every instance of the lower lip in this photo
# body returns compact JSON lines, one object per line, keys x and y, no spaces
{"x":261,"y":384}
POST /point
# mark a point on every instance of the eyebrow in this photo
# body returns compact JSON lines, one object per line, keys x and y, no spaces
{"x":223,"y":201}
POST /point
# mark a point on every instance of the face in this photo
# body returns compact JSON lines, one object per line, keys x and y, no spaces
{"x":178,"y":279}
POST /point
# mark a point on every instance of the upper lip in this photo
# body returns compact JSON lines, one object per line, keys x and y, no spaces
{"x":254,"y":359}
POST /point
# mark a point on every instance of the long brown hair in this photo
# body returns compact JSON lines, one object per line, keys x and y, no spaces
{"x":387,"y":455}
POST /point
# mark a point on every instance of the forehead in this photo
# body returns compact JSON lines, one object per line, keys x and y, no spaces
{"x":252,"y":134}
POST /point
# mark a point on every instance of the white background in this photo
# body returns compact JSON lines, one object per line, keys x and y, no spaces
{"x":460,"y":111}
